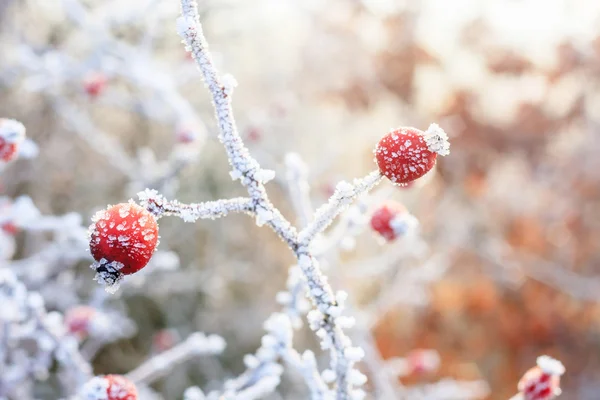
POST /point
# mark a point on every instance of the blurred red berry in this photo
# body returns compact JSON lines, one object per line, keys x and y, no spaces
{"x":392,"y":220}
{"x":254,"y":134}
{"x":12,"y":133}
{"x":78,"y":320}
{"x":109,"y":387}
{"x":10,"y":228}
{"x":94,"y":84}
{"x":122,"y":241}
{"x":406,"y":154}
{"x":164,"y":340}
{"x":543,"y":381}
{"x":186,"y":136}
{"x":422,"y":361}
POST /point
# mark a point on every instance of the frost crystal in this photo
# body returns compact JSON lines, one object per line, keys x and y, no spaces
{"x":264,"y":175}
{"x":11,"y":131}
{"x":95,"y":389}
{"x":229,"y":83}
{"x":437,"y":140}
{"x":550,"y":365}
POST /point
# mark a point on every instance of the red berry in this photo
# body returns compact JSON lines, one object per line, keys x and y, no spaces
{"x":122,"y":240}
{"x":12,"y":133}
{"x":406,"y":154}
{"x":109,"y":387}
{"x":78,"y":320}
{"x":186,"y":133}
{"x":392,"y":220}
{"x":422,"y":361}
{"x":10,"y":228}
{"x":94,"y":84}
{"x":254,"y":134}
{"x":164,"y":340}
{"x":543,"y":381}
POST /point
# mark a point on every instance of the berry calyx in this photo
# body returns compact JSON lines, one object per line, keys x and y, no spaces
{"x":109,"y":387}
{"x":391,"y":220}
{"x":406,"y":154}
{"x":122,"y":240}
{"x":12,"y":134}
{"x":543,"y":381}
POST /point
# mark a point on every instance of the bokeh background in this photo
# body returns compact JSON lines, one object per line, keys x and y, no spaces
{"x":510,"y":221}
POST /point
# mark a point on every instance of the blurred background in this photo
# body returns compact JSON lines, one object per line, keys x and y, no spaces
{"x":505,"y":264}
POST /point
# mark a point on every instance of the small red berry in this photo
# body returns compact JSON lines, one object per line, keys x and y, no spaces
{"x":94,"y":84}
{"x":422,"y":361}
{"x":406,"y":154}
{"x":12,"y":134}
{"x":187,"y":133}
{"x":10,"y":228}
{"x":254,"y":134}
{"x":392,"y":220}
{"x":122,"y":241}
{"x":78,"y":320}
{"x":543,"y":381}
{"x":109,"y":387}
{"x":164,"y":340}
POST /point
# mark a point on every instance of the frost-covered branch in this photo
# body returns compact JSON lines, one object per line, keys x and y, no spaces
{"x":248,"y":171}
{"x":195,"y":345}
{"x":83,"y":126}
{"x":23,"y":318}
{"x":159,"y":206}
{"x":264,"y":372}
{"x":341,"y":199}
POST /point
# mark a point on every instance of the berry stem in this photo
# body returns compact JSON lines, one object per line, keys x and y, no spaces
{"x":344,"y":194}
{"x":156,"y":367}
{"x":159,"y":206}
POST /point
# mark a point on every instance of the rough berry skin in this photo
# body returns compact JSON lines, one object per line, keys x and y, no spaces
{"x":122,"y":241}
{"x":543,"y":381}
{"x":406,"y":154}
{"x":391,"y":220}
{"x":12,"y":133}
{"x":109,"y":387}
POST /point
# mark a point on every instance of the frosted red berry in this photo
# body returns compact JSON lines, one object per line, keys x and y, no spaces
{"x":406,"y":154}
{"x":94,"y":84}
{"x":391,"y":220}
{"x":543,"y":381}
{"x":109,"y":387}
{"x":122,"y":241}
{"x":12,"y":134}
